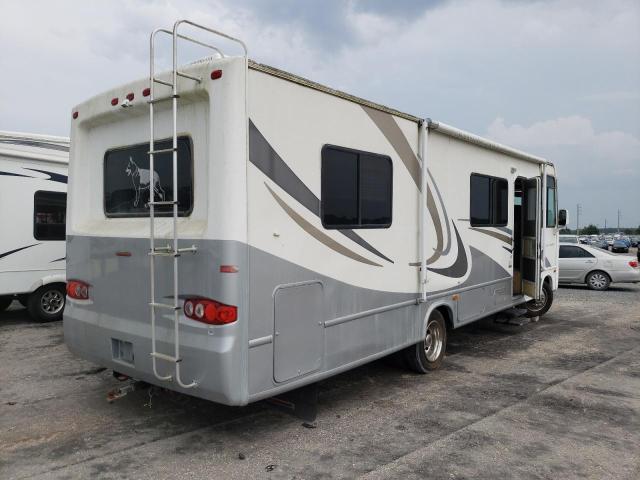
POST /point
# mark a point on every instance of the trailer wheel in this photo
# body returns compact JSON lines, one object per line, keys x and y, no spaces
{"x":542,"y":306}
{"x":5,"y":301}
{"x":429,"y":353}
{"x":47,"y":303}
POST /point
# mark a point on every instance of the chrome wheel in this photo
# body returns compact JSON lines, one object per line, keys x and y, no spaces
{"x":598,"y":280}
{"x":537,"y":305}
{"x":433,"y":341}
{"x":52,"y":302}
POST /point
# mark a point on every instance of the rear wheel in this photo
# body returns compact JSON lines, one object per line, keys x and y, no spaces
{"x":598,"y":280}
{"x":5,"y":301}
{"x":429,"y":353}
{"x":47,"y":303}
{"x":537,"y":308}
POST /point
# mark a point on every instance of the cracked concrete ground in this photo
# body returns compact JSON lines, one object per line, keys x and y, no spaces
{"x":555,"y":399}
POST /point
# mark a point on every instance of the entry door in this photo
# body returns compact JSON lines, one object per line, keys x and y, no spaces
{"x":299,"y":330}
{"x":531,"y":238}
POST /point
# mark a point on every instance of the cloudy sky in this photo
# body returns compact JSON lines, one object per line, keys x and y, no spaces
{"x":559,"y":79}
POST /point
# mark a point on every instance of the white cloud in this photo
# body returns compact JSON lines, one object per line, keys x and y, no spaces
{"x":465,"y":62}
{"x":616,"y":147}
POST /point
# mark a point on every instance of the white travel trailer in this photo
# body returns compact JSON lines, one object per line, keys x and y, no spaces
{"x":33,"y":200}
{"x":274,"y":232}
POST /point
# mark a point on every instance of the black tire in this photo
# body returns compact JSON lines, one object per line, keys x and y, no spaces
{"x":46,"y":304}
{"x":428,"y":354}
{"x":598,"y":280}
{"x":539,"y":308}
{"x":5,"y":301}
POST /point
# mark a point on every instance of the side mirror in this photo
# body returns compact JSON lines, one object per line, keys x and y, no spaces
{"x":563,"y":217}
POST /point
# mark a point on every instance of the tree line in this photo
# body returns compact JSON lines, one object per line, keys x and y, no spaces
{"x":591,"y":229}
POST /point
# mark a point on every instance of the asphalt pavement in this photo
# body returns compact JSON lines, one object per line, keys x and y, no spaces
{"x":559,"y":398}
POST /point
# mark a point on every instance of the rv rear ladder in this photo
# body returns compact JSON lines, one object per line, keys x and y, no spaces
{"x":170,"y":250}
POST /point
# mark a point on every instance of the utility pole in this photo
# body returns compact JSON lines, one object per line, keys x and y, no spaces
{"x":605,"y":225}
{"x":618,"y":220}
{"x":578,"y":210}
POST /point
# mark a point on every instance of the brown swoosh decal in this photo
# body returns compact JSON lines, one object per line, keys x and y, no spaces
{"x":319,"y":235}
{"x":505,"y":238}
{"x":398,"y":141}
{"x":390,"y":129}
{"x":267,"y":160}
{"x":433,"y":211}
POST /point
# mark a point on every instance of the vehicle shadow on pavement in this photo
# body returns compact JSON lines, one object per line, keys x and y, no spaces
{"x":613,"y":288}
{"x":16,"y":314}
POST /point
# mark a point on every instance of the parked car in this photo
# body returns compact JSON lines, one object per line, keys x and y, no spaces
{"x":600,"y":243}
{"x":620,"y":246}
{"x":595,"y":267}
{"x":568,"y":239}
{"x":634,"y":241}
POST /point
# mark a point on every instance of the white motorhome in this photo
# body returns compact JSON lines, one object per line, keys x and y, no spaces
{"x":274,"y":231}
{"x":33,"y":200}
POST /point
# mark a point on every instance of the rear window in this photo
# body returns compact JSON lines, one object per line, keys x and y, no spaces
{"x":128,"y":182}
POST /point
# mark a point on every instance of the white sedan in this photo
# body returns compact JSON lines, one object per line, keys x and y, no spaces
{"x":596,"y":267}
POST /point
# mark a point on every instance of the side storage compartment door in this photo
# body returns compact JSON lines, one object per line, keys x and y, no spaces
{"x":299,"y":330}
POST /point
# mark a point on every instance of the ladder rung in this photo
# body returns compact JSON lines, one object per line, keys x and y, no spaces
{"x":168,"y":358}
{"x":163,"y":150}
{"x":164,"y":305}
{"x":168,"y":202}
{"x":186,"y":75}
{"x":164,"y":254}
{"x":168,"y":84}
{"x":193,"y":249}
{"x":163,"y":99}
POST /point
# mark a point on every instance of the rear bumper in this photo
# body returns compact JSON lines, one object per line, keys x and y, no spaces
{"x":210,"y":355}
{"x":631,"y":276}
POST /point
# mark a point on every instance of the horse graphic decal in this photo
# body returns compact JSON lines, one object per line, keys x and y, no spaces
{"x":141,"y":178}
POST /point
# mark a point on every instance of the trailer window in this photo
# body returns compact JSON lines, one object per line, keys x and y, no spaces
{"x":356,"y":189}
{"x":552,"y":199}
{"x":128,"y":183}
{"x":489,"y":201}
{"x":49,"y":215}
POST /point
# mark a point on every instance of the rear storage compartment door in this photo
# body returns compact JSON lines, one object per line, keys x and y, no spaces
{"x":299,"y":330}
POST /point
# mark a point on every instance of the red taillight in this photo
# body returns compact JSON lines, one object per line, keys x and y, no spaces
{"x":216,"y":74}
{"x":114,"y":101}
{"x":75,"y":115}
{"x":146,"y":92}
{"x":130,"y":96}
{"x":210,"y":311}
{"x":77,"y":289}
{"x":229,"y":269}
{"x":633,"y":264}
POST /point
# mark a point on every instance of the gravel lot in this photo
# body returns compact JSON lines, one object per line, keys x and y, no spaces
{"x":555,"y":399}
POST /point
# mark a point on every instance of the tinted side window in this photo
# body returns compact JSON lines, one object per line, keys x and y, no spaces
{"x":480,"y":200}
{"x":489,"y":201}
{"x":339,"y":187}
{"x":569,"y":251}
{"x":356,"y":189}
{"x":501,"y":195}
{"x":375,"y":190}
{"x":128,"y":183}
{"x":49,"y":215}
{"x":552,"y":200}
